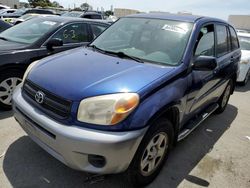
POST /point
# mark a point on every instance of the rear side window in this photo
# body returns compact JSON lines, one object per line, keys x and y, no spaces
{"x":73,"y":33}
{"x":93,"y":16}
{"x":97,"y":29}
{"x":38,"y":12}
{"x":234,"y":40}
{"x":205,"y":43}
{"x":222,"y":40}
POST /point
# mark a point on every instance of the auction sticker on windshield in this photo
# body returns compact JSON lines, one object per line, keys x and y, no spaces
{"x":49,"y":23}
{"x":174,"y":28}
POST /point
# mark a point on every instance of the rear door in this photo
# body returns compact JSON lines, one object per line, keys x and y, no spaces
{"x":227,"y":53}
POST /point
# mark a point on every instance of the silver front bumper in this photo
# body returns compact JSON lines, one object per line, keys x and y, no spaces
{"x":73,"y":145}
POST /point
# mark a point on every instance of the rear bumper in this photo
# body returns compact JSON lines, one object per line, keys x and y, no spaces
{"x":74,"y":145}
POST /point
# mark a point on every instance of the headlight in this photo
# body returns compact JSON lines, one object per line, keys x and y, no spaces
{"x":107,"y":109}
{"x":29,"y":69}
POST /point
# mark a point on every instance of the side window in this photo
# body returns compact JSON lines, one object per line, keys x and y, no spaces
{"x":222,"y":40}
{"x":234,"y":40}
{"x":73,"y":33}
{"x":205,"y":42}
{"x":97,"y":29}
{"x":10,"y":11}
{"x":93,"y":16}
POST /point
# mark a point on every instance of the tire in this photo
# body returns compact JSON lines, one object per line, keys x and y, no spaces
{"x":223,"y":101}
{"x":136,"y":174}
{"x":9,"y":79}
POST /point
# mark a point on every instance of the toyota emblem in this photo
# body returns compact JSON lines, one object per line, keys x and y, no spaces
{"x":39,"y":97}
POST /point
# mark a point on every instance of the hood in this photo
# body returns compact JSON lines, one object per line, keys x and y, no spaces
{"x":82,"y":73}
{"x":9,"y":45}
{"x":245,"y":55}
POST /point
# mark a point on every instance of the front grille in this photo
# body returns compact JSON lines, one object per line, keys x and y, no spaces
{"x":52,"y":104}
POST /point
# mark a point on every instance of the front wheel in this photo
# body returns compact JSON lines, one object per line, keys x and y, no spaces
{"x":8,"y":82}
{"x":151,"y":154}
{"x":223,"y":101}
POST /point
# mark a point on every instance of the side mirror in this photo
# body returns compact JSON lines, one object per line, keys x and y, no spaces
{"x":205,"y":63}
{"x":53,"y":43}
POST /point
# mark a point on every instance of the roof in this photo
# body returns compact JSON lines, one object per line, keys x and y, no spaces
{"x":65,"y":20}
{"x":84,"y":12}
{"x":168,"y":16}
{"x":176,"y":17}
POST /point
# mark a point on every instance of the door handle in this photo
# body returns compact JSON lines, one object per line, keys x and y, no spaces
{"x":232,"y":59}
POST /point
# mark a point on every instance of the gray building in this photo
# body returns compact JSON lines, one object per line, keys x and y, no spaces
{"x":10,"y":3}
{"x":121,"y":12}
{"x":240,"y":21}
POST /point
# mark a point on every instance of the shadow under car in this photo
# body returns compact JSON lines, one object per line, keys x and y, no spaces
{"x":27,"y":165}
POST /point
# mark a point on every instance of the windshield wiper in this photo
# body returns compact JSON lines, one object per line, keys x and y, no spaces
{"x":96,"y":48}
{"x":122,"y":55}
{"x":119,"y":54}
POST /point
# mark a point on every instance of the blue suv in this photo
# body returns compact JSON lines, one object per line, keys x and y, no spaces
{"x":122,"y":102}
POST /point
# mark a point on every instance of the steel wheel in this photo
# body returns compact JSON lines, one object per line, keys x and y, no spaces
{"x":7,"y":87}
{"x":154,"y":153}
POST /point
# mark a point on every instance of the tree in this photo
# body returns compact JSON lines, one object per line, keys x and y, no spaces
{"x":40,"y":3}
{"x":77,"y":9}
{"x":109,"y":12}
{"x":55,"y":4}
{"x":85,"y":6}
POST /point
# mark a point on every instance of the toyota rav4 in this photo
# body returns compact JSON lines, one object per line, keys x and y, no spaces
{"x":122,"y":102}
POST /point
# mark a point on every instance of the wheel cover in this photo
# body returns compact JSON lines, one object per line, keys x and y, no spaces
{"x":154,"y":153}
{"x":7,"y":87}
{"x":226,"y":96}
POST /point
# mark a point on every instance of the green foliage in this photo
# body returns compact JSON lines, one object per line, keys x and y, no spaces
{"x":85,"y":6}
{"x":43,"y":3}
{"x":55,"y":4}
{"x":109,"y":12}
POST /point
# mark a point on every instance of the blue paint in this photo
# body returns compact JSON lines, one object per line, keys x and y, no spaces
{"x":84,"y":72}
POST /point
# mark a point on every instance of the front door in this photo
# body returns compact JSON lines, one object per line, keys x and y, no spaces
{"x":73,"y":35}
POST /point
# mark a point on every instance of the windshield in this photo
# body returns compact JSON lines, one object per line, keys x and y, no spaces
{"x":72,"y":14}
{"x":151,"y":40}
{"x":30,"y":31}
{"x":244,"y":43}
{"x":27,"y":16}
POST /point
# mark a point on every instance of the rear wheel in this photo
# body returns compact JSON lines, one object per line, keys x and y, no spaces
{"x":8,"y":82}
{"x":151,"y":154}
{"x":225,"y":98}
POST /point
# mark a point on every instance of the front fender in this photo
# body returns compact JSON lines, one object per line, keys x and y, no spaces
{"x":172,"y":95}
